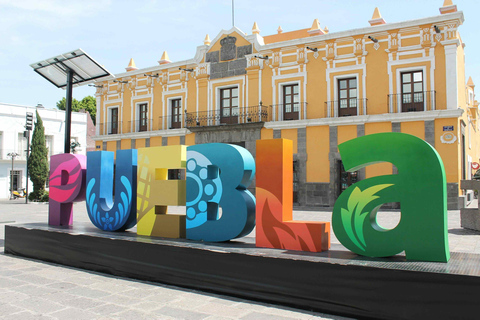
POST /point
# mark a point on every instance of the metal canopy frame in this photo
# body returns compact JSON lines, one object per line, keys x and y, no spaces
{"x":68,"y":70}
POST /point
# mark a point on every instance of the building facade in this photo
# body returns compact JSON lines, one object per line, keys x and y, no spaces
{"x":12,"y":140}
{"x":315,"y":87}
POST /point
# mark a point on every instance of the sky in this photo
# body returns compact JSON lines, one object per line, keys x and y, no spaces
{"x":113,"y":31}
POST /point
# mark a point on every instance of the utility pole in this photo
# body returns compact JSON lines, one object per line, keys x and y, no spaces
{"x":28,"y":127}
{"x":13,"y":155}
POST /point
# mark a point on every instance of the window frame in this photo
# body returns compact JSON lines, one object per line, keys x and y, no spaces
{"x":230,"y":118}
{"x":138,"y":123}
{"x":347,"y":111}
{"x":175,"y":124}
{"x":410,"y":106}
{"x":427,"y":82}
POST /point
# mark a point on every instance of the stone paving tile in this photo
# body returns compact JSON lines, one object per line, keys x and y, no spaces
{"x":134,"y":315}
{"x":109,"y":309}
{"x":8,"y":282}
{"x":264,"y":316}
{"x":61,"y":286}
{"x":25,"y":315}
{"x":82,"y":303}
{"x":218,"y":309}
{"x":74,"y":314}
{"x":117,"y":299}
{"x":32,"y":278}
{"x":138,"y":292}
{"x":8,"y":309}
{"x":38,"y":305}
{"x":87,"y":292}
{"x":7,"y":296}
{"x":148,"y":306}
{"x":34,"y":290}
{"x":59,"y":296}
{"x":186,"y":302}
{"x":180,"y":313}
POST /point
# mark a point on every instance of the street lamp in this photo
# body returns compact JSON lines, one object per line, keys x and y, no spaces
{"x":13,"y":155}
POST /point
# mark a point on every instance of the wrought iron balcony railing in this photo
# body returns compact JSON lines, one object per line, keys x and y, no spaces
{"x":110,"y":127}
{"x":171,"y":122}
{"x":345,"y":108}
{"x":228,"y":116}
{"x":140,"y":125}
{"x":411,"y":102}
{"x":289,"y":111}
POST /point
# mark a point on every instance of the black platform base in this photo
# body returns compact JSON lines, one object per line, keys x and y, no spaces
{"x":336,"y":281}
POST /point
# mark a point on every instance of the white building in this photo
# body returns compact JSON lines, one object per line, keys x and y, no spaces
{"x":12,"y":127}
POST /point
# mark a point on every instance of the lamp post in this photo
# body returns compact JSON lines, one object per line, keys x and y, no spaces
{"x":13,"y":155}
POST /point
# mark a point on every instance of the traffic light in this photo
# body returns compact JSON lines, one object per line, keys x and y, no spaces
{"x":29,"y":123}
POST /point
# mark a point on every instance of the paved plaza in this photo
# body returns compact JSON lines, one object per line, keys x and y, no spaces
{"x":31,"y":289}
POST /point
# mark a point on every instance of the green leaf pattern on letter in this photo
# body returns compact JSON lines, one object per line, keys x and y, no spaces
{"x":353,"y":218}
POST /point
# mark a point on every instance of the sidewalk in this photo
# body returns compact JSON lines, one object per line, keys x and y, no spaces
{"x":30,"y":289}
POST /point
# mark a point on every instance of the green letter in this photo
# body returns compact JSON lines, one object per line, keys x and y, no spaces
{"x":419,"y":186}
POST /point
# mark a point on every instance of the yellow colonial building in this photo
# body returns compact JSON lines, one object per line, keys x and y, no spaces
{"x":315,"y":87}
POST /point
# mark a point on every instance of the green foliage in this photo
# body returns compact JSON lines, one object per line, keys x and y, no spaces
{"x":354,"y":217}
{"x":38,"y":160}
{"x":39,"y":196}
{"x":88,"y":103}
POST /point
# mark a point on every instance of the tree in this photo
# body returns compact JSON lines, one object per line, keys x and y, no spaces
{"x":88,"y":103}
{"x":38,"y":160}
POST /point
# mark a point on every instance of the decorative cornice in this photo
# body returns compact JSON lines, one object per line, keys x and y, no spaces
{"x":358,"y":120}
{"x":143,"y":135}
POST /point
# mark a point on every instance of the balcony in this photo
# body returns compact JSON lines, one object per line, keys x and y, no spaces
{"x":412,"y":102}
{"x":216,"y":118}
{"x":171,"y":122}
{"x":345,"y":108}
{"x":140,"y":125}
{"x":110,"y":127}
{"x":289,"y":111}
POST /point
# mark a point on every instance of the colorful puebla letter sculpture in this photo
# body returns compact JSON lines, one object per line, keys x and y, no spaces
{"x":156,"y":192}
{"x":274,"y":191}
{"x":67,"y":185}
{"x":105,"y":213}
{"x":217,"y":177}
{"x":419,"y":186}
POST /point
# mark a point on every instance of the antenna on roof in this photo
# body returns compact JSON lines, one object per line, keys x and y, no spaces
{"x":233,"y":13}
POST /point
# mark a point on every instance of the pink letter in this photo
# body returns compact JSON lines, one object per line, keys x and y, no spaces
{"x":67,"y":185}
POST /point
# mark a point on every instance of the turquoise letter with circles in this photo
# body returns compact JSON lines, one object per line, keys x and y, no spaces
{"x":106,"y":214}
{"x":219,"y":206}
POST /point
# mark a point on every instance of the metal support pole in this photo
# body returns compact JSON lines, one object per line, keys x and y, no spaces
{"x":11,"y":180}
{"x":28,"y":156}
{"x":68,"y":111}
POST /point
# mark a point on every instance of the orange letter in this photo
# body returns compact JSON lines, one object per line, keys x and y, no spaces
{"x":274,"y":193}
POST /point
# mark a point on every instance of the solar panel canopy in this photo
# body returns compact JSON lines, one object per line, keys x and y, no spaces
{"x":83,"y":66}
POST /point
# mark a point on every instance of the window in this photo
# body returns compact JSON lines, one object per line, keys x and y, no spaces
{"x":16,"y":179}
{"x":143,"y":117}
{"x":347,"y":97}
{"x":346,"y":178}
{"x":176,"y":112}
{"x":49,"y":144}
{"x":114,"y":121}
{"x":291,"y":103}
{"x":229,"y":105}
{"x":412,"y":91}
{"x":21,"y":146}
